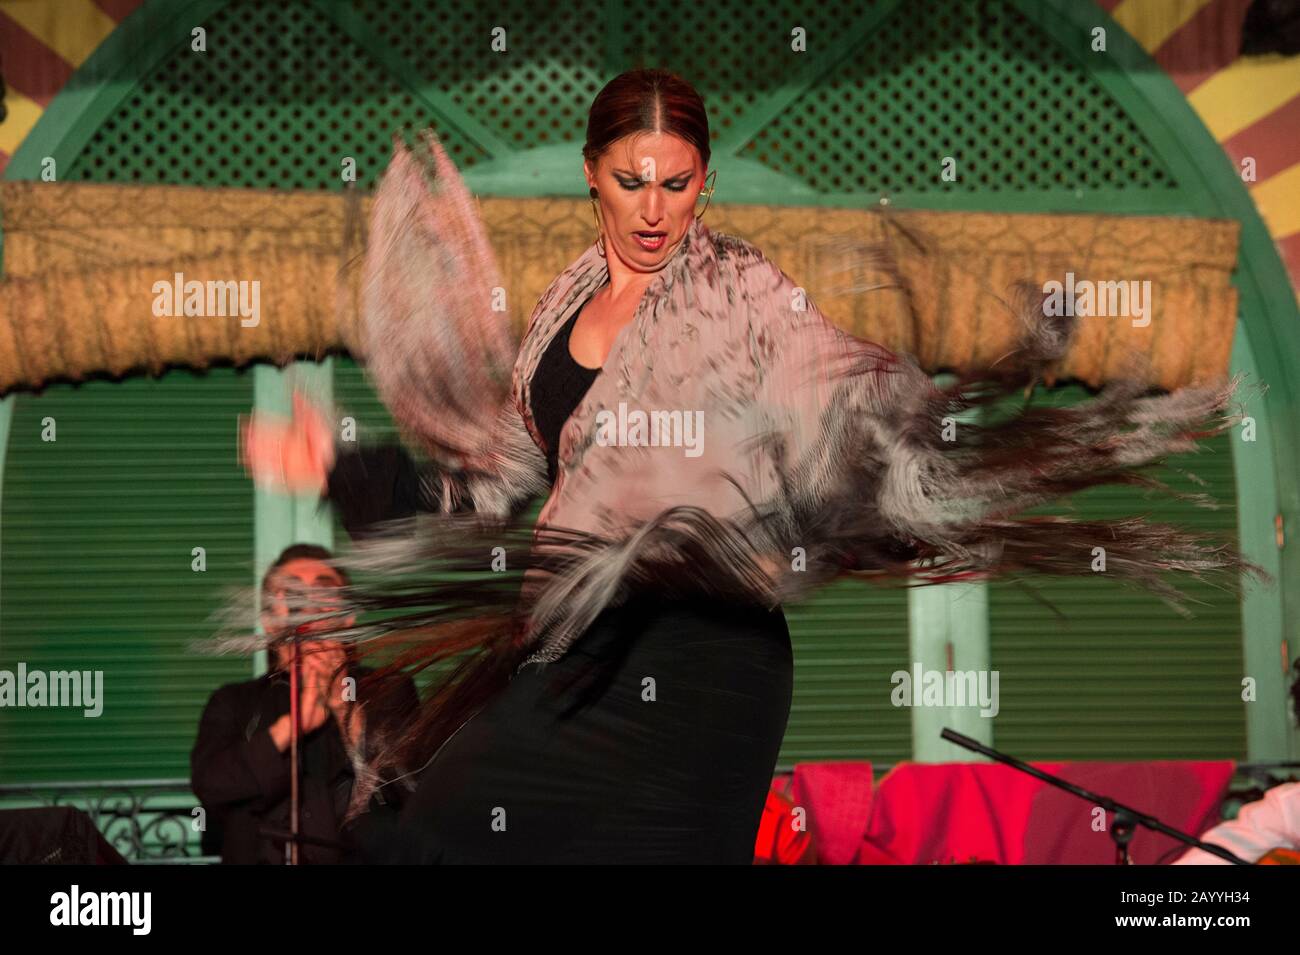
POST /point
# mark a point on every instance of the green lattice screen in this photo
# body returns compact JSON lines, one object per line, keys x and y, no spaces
{"x":278,"y":100}
{"x":973,"y":80}
{"x":536,"y":93}
{"x":283,"y":93}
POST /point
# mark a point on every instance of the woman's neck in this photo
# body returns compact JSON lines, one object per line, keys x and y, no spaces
{"x":624,"y":281}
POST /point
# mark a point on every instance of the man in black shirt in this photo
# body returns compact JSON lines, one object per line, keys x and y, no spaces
{"x":240,"y":762}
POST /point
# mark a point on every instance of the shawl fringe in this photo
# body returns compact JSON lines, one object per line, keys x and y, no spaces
{"x":910,"y":484}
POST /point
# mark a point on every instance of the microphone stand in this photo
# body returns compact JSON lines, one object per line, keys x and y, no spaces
{"x":1126,"y":818}
{"x":289,"y":837}
{"x":295,"y":733}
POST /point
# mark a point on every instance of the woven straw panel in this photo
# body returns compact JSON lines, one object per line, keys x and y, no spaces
{"x":83,"y":260}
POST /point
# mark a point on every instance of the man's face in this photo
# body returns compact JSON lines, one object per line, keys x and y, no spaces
{"x":289,"y":592}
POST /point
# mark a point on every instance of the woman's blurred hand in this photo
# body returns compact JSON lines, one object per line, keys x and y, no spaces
{"x":294,"y":455}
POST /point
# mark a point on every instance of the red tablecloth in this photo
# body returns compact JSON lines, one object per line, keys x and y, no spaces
{"x":959,"y":812}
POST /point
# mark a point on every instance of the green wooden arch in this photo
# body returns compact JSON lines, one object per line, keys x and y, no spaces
{"x":1267,"y":346}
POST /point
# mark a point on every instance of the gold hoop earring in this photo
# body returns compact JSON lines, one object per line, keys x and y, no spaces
{"x":600,"y":231}
{"x":707,"y":193}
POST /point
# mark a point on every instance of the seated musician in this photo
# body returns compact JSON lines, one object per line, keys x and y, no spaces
{"x":1270,"y":823}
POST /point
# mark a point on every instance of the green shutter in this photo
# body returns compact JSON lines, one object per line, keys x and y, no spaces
{"x":1123,"y":676}
{"x":848,"y":639}
{"x":99,"y":527}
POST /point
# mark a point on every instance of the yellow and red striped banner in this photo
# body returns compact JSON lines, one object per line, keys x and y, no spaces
{"x":1251,"y":105}
{"x":41,"y":45}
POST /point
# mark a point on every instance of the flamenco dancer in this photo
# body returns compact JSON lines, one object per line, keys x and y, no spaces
{"x":615,"y":688}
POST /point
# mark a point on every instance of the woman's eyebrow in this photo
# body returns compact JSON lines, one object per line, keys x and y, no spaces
{"x":634,"y":175}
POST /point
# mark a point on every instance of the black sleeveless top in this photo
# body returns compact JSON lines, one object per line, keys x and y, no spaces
{"x":558,"y":385}
{"x":370,"y":485}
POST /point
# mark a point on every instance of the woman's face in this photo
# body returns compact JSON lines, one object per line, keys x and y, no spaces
{"x":648,"y":184}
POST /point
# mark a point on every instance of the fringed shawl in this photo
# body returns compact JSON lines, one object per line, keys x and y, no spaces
{"x":818,"y":454}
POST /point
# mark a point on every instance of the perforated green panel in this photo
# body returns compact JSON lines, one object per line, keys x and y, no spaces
{"x":535,"y":92}
{"x":736,"y":54}
{"x":282,"y":94}
{"x":970,"y":79}
{"x":278,"y":100}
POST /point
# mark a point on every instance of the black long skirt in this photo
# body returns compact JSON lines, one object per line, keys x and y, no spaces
{"x":653,"y":740}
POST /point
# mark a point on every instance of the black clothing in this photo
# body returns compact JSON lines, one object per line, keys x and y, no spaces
{"x":371,"y":485}
{"x":585,"y":760}
{"x":374,"y":484}
{"x":566,"y":382}
{"x":653,"y":739}
{"x":242,"y":780}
